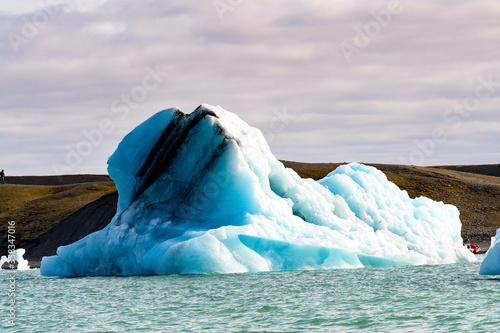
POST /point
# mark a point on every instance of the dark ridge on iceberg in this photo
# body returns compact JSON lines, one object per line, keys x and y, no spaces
{"x":206,"y":169}
{"x":156,"y":152}
{"x":167,"y":146}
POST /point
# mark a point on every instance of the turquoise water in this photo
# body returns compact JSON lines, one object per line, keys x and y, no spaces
{"x":402,"y":299}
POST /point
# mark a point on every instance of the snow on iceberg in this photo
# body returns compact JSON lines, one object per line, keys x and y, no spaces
{"x":491,"y":261}
{"x":202,"y":193}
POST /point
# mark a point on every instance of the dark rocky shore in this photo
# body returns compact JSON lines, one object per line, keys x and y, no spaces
{"x":51,"y":211}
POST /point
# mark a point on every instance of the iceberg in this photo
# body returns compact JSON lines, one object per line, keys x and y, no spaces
{"x":491,"y":261}
{"x":16,"y":256}
{"x":202,"y":193}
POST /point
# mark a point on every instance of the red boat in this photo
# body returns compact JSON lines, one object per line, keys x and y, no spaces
{"x":474,"y":248}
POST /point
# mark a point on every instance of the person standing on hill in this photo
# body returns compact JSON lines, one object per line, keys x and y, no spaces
{"x":2,"y":174}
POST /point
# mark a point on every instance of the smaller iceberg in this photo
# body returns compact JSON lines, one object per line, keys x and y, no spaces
{"x":17,"y":255}
{"x":491,"y":262}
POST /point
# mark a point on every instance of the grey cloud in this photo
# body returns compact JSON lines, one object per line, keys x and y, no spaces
{"x":261,"y":57}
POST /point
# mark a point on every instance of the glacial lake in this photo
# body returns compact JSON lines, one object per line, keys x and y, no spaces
{"x":441,"y":298}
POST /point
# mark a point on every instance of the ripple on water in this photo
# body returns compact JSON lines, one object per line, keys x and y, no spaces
{"x":416,"y":298}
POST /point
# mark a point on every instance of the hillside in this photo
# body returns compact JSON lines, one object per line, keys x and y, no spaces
{"x":486,"y":169}
{"x":51,"y":211}
{"x":41,"y":210}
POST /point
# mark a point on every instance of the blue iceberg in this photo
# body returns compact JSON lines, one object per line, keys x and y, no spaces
{"x":202,"y":193}
{"x":491,"y":261}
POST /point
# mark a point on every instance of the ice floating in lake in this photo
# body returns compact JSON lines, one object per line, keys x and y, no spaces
{"x":17,"y":255}
{"x":202,"y":193}
{"x":491,"y":262}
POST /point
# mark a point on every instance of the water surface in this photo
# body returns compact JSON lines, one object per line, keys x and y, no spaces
{"x":410,"y":299}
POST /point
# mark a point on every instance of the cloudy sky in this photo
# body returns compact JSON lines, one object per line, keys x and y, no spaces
{"x":327,"y":81}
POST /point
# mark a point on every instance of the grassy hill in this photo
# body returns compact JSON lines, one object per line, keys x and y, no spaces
{"x":38,"y":209}
{"x":51,"y":211}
